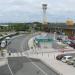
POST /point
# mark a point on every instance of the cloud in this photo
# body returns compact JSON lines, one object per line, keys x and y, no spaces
{"x":31,"y":10}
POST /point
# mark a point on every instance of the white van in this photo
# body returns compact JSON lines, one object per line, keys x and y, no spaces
{"x":8,"y":40}
{"x":3,"y":43}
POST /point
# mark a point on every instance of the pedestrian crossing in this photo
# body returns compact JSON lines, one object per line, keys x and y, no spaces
{"x":19,"y":54}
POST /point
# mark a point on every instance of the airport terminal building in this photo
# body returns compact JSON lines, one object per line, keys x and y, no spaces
{"x":62,"y":27}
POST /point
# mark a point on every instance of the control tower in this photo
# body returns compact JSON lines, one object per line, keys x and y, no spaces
{"x":44,"y":7}
{"x":45,"y":24}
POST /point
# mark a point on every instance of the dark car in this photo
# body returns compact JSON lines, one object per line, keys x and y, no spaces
{"x":71,"y":37}
{"x":72,"y":44}
{"x":59,"y":57}
{"x":59,"y":38}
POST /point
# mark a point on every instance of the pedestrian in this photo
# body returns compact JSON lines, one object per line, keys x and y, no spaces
{"x":9,"y":53}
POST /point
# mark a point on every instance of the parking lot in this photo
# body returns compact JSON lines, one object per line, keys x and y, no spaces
{"x":68,"y":59}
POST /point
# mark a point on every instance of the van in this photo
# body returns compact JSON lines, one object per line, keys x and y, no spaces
{"x":3,"y":43}
{"x":8,"y":40}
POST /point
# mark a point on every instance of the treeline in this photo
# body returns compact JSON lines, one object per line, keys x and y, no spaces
{"x":37,"y":26}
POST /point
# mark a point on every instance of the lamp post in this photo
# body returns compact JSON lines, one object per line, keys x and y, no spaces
{"x":54,"y":35}
{"x":34,"y":25}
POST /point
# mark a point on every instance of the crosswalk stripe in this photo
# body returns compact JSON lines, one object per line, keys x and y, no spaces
{"x":19,"y":54}
{"x":12,"y":54}
{"x":15,"y":54}
{"x":23,"y":53}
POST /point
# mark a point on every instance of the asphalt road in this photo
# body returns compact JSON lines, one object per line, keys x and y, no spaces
{"x":18,"y":43}
{"x":24,"y":65}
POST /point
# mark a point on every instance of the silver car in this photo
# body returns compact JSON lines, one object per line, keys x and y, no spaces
{"x":66,"y":58}
{"x":71,"y":61}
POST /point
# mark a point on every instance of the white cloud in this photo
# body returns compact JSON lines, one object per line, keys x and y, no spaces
{"x":17,"y":10}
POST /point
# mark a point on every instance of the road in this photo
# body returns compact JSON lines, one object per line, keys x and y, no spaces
{"x":24,"y":65}
{"x":18,"y":43}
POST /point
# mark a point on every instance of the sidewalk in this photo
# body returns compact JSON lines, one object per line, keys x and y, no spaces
{"x":49,"y":60}
{"x":31,"y":45}
{"x":3,"y":61}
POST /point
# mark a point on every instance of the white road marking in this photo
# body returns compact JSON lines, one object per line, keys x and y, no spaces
{"x":31,"y":62}
{"x":19,"y":54}
{"x":10,"y":69}
{"x":22,"y":44}
{"x":37,"y":67}
{"x":11,"y":55}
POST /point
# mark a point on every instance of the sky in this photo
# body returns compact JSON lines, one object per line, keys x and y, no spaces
{"x":31,"y":10}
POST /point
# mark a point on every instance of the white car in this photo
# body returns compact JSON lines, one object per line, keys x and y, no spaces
{"x":66,"y":58}
{"x":3,"y":43}
{"x":7,"y":38}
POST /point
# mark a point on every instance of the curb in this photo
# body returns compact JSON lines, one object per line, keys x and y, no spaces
{"x":49,"y":66}
{"x":57,"y":72}
{"x":3,"y":62}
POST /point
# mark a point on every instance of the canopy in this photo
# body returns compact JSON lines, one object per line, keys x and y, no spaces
{"x":43,"y":39}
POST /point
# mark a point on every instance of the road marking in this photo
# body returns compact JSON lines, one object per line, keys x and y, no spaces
{"x":22,"y":44}
{"x":10,"y":69}
{"x":37,"y":67}
{"x":19,"y":54}
{"x":31,"y":62}
{"x":15,"y":54}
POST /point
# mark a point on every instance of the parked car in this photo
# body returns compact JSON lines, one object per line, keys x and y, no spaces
{"x":7,"y":38}
{"x":66,"y":58}
{"x":59,"y":57}
{"x":71,"y":61}
{"x":72,"y":44}
{"x":67,"y":41}
{"x":71,"y":37}
{"x":59,"y":38}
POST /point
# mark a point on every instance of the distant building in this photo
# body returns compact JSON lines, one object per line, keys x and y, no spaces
{"x":4,"y":25}
{"x":62,"y":27}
